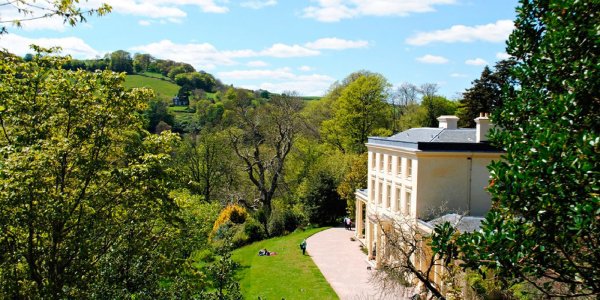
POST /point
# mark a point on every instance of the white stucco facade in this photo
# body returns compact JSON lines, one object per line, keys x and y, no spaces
{"x":418,"y":171}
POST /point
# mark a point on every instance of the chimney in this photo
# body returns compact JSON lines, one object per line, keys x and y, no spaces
{"x":448,"y":122}
{"x":482,"y":127}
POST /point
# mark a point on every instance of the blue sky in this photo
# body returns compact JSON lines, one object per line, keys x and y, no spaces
{"x":300,"y":45}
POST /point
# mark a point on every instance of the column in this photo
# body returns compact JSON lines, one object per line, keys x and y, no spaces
{"x":378,"y":247}
{"x":359,"y":219}
{"x":369,"y":240}
{"x":356,"y":217}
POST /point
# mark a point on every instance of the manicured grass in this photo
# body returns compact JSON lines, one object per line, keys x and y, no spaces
{"x":178,"y":109}
{"x":164,"y":90}
{"x":287,"y":275}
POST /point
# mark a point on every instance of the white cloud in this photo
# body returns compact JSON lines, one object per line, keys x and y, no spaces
{"x":160,"y":8}
{"x":336,"y":10}
{"x":493,"y":32}
{"x":257,"y":4}
{"x":283,"y":50}
{"x":202,"y":56}
{"x":336,"y":44}
{"x":305,"y":68}
{"x":164,"y":10}
{"x":257,"y":64}
{"x":283,"y":73}
{"x":148,"y":9}
{"x":458,"y":75}
{"x":502,"y":55}
{"x":476,"y":62}
{"x":279,"y":80}
{"x":144,"y":23}
{"x":73,"y":46}
{"x":10,"y":13}
{"x":306,"y":85}
{"x":170,"y":10}
{"x":432,"y":59}
{"x":329,"y":13}
{"x":207,"y":56}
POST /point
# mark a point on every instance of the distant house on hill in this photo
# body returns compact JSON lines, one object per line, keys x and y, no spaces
{"x":421,"y":169}
{"x":181,"y":101}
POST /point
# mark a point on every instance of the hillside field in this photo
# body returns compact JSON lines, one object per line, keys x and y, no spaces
{"x":164,"y":90}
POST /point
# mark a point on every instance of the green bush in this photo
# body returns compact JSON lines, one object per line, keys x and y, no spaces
{"x":322,"y":203}
{"x":276,"y":224}
{"x":285,"y":220}
{"x":254,"y":230}
{"x":292,"y":220}
{"x":238,"y":216}
{"x":206,"y":255}
{"x":240,"y":238}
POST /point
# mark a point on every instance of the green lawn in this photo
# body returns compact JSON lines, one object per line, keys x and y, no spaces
{"x":288,"y":275}
{"x":164,"y":90}
{"x":178,"y":109}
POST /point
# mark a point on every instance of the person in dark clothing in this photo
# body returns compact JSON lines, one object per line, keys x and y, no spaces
{"x":303,"y":247}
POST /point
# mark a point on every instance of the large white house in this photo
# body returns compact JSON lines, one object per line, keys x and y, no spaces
{"x":417,"y":171}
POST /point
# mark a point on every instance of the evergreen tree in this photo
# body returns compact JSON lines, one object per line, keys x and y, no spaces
{"x":544,"y":227}
{"x":478,"y":98}
{"x":486,"y":93}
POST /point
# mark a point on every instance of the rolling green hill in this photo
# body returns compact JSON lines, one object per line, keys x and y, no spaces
{"x":164,"y":89}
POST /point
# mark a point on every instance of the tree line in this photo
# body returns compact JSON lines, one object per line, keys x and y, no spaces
{"x":183,"y":74}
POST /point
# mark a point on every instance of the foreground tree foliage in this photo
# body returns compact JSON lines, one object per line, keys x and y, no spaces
{"x":70,"y":11}
{"x":84,"y":205}
{"x":544,"y":227}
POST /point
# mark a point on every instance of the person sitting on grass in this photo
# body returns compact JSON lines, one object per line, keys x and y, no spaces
{"x":265,"y":252}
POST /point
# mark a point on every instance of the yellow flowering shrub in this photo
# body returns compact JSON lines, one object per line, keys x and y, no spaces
{"x":232,"y":213}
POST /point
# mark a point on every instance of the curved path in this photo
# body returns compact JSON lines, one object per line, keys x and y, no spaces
{"x":344,"y":265}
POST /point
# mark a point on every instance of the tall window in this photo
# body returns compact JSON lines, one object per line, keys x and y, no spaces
{"x":380,"y":198}
{"x":398,"y":205}
{"x":389,"y":196}
{"x":399,"y":166}
{"x":408,"y":202}
{"x":389,"y":164}
{"x":373,"y":160}
{"x":372,"y":191}
{"x":408,"y":168}
{"x":381,"y":162}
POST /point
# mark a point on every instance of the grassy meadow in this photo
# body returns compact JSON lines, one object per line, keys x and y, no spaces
{"x":164,"y":90}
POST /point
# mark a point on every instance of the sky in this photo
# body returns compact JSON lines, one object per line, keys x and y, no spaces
{"x":292,"y":45}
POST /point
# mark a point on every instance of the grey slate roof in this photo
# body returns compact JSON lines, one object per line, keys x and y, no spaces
{"x":434,"y":139}
{"x":436,"y":135}
{"x":461,"y":223}
{"x":364,"y":192}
